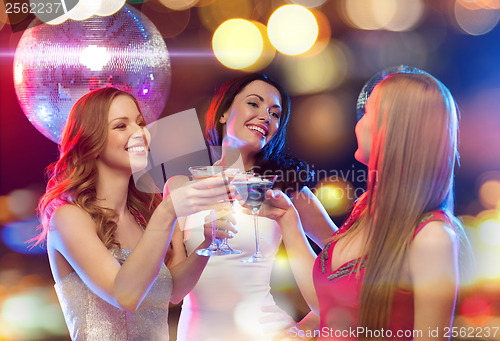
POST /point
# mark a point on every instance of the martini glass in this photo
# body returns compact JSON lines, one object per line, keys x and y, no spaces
{"x":252,"y":188}
{"x":203,"y":172}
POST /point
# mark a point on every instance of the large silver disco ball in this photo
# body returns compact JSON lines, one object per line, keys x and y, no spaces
{"x":55,"y":65}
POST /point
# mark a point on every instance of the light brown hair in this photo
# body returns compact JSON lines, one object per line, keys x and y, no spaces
{"x":73,"y":178}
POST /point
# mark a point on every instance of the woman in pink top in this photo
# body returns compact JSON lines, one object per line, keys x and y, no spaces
{"x":391,"y":271}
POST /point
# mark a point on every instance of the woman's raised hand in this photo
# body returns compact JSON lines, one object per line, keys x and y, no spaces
{"x":189,"y":197}
{"x":276,"y":205}
{"x":224,"y":224}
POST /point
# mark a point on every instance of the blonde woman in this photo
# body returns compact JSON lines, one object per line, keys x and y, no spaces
{"x":107,"y":241}
{"x":392,"y":268}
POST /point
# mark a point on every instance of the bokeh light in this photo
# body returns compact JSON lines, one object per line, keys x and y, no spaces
{"x":237,"y":43}
{"x":307,"y":3}
{"x":6,"y":215}
{"x":4,"y":19}
{"x":23,"y":202}
{"x":16,"y":235}
{"x":361,"y":13}
{"x":489,"y":232}
{"x":324,"y":33}
{"x":333,"y":130}
{"x":292,"y":29}
{"x":394,"y":15}
{"x":268,"y":51}
{"x":407,"y":15}
{"x":309,"y":74}
{"x":169,"y":22}
{"x":84,"y":9}
{"x":178,"y":5}
{"x":476,"y":21}
{"x":202,"y":3}
{"x":31,"y":315}
{"x":478,"y":4}
{"x":282,"y":275}
{"x":489,"y":193}
{"x":335,"y":194}
{"x":483,"y":232}
{"x":214,"y":14}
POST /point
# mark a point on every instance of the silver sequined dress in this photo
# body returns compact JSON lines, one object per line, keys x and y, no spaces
{"x":90,"y":318}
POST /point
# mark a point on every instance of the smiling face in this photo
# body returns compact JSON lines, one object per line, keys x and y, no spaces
{"x":127,"y":140}
{"x":253,"y":118}
{"x":366,"y":128}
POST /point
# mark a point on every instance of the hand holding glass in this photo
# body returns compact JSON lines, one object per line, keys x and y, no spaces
{"x":252,"y":188}
{"x":203,"y":172}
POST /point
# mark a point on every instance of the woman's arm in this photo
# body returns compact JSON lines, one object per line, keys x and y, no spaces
{"x":433,"y":261}
{"x":315,"y":220}
{"x":300,"y":254}
{"x":186,"y":270}
{"x":73,"y":235}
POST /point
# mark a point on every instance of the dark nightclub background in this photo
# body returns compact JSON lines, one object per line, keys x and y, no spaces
{"x":455,"y":40}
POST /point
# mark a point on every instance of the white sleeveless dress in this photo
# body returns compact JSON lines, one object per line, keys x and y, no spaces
{"x":226,"y":304}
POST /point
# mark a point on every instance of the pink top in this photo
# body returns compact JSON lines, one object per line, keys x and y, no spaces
{"x":338,"y":292}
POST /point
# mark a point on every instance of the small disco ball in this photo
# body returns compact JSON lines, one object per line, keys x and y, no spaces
{"x":377,"y":78}
{"x":55,"y":65}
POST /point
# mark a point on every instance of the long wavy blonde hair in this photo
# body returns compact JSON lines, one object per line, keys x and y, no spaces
{"x":73,"y":178}
{"x":412,"y":164}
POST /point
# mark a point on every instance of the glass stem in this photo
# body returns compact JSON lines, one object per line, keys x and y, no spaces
{"x":255,"y":213}
{"x":213,"y":245}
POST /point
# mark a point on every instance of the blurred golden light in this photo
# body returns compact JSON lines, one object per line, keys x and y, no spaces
{"x":27,"y":313}
{"x":282,"y":276}
{"x":407,"y":15}
{"x":169,"y":22}
{"x":478,"y":4}
{"x":487,"y":264}
{"x":23,"y":203}
{"x":202,"y":3}
{"x":292,"y":29}
{"x":313,"y":74}
{"x":384,"y":11}
{"x":324,"y":33}
{"x":489,"y":193}
{"x":394,"y":15}
{"x":262,"y":9}
{"x":178,"y":5}
{"x":335,"y":195}
{"x":214,"y":14}
{"x":307,"y":3}
{"x":4,"y":19}
{"x":268,"y":51}
{"x":489,"y":232}
{"x":6,"y":215}
{"x":237,"y":43}
{"x":476,"y":22}
{"x":109,"y":7}
{"x":361,"y":13}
